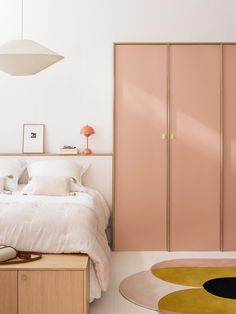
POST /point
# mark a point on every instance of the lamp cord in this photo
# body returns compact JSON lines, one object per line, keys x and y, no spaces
{"x":22,"y":18}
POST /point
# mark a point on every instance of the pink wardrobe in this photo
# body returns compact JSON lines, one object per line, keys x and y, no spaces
{"x":175,"y":147}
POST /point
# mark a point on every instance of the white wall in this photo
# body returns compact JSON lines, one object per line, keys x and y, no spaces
{"x":79,"y":89}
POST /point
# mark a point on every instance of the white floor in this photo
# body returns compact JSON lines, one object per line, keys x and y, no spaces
{"x":124,"y":264}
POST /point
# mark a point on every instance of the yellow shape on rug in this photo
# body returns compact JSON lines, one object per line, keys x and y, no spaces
{"x":192,"y":276}
{"x":196,"y":301}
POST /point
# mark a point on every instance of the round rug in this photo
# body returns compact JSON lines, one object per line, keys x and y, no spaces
{"x":182,"y":286}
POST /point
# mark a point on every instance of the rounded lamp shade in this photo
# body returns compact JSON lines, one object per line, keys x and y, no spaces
{"x":87,"y":130}
{"x":26,"y":57}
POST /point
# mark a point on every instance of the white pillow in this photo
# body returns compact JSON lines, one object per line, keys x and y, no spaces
{"x":2,"y":181}
{"x":54,"y":186}
{"x":61,"y":168}
{"x":12,"y":169}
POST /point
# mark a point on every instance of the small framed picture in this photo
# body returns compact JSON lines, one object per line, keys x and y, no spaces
{"x":33,"y":138}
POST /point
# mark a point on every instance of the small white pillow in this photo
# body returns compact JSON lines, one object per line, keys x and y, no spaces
{"x":2,"y":181}
{"x":12,"y":169}
{"x":54,"y":186}
{"x":59,"y":167}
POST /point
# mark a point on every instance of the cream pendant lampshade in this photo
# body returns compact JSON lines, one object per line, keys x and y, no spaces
{"x":26,"y":57}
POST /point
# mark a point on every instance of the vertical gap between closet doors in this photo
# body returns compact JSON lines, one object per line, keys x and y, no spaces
{"x":221,"y":147}
{"x":113,"y":240}
{"x":168,"y":152}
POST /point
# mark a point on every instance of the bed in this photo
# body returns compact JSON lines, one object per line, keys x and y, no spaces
{"x":60,"y":224}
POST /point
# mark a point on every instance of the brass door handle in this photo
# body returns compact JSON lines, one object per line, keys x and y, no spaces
{"x":172,"y":136}
{"x":164,"y":136}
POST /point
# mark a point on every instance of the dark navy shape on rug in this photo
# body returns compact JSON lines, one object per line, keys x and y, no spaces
{"x":222,"y":287}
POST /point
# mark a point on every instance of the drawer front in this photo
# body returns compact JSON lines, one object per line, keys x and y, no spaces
{"x":51,"y":292}
{"x":8,"y":292}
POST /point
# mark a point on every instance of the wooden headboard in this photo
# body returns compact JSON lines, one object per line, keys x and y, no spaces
{"x":98,"y":176}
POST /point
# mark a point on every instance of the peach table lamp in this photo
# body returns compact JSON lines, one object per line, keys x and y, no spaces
{"x":87,"y":131}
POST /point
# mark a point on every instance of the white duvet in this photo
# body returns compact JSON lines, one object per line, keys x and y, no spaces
{"x":51,"y":224}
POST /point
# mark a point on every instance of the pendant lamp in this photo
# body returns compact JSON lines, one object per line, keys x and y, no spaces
{"x":25,"y":57}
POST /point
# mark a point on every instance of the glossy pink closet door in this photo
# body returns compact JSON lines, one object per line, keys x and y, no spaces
{"x":140,"y":151}
{"x":229,"y":85}
{"x":195,"y":150}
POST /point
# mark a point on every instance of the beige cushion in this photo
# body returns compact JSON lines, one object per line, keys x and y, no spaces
{"x":49,"y":185}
